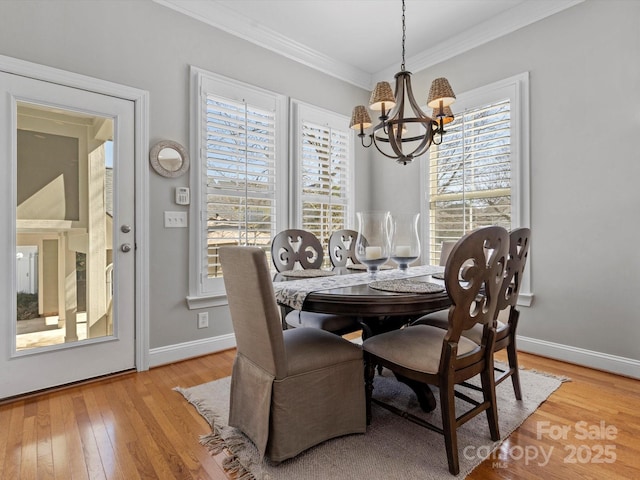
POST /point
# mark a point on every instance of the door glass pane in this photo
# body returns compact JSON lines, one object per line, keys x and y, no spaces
{"x":64,"y":218}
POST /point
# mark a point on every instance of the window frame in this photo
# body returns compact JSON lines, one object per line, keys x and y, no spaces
{"x":516,"y":89}
{"x":204,"y":291}
{"x":303,"y":112}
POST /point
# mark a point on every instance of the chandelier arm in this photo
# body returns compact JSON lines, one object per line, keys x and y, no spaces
{"x":362,"y":140}
{"x":396,"y":146}
{"x":439,"y":130}
{"x":395,"y":134}
{"x":398,"y":94}
{"x":412,"y":101}
{"x":427,"y":140}
{"x":375,"y":143}
{"x":389,"y":139}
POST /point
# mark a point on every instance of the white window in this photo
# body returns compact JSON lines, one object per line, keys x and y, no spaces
{"x":479,"y":174}
{"x":323,"y":146}
{"x":239,"y":172}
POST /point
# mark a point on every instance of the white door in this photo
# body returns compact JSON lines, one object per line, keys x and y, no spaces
{"x":67,"y":237}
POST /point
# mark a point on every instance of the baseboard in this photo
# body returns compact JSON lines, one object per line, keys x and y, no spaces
{"x":196,"y":348}
{"x":580,"y":356}
{"x":566,"y":353}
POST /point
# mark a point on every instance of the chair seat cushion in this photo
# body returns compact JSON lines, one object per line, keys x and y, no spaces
{"x":331,"y":323}
{"x":440,"y":319}
{"x":417,"y":347}
{"x":307,"y":349}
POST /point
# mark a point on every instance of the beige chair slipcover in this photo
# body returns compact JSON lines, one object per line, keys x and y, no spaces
{"x":291,"y":389}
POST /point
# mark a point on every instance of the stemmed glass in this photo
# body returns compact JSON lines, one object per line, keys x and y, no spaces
{"x":405,"y":241}
{"x":373,"y":245}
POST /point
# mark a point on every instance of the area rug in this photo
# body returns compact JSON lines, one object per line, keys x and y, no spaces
{"x":392,"y":447}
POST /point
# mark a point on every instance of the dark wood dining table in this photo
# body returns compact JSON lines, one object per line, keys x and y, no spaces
{"x":364,"y":301}
{"x":379,"y":311}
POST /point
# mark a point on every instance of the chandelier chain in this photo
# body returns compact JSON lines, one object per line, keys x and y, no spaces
{"x":404,"y":34}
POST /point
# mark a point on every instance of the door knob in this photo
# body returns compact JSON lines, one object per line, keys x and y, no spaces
{"x":125,"y":228}
{"x":125,"y":247}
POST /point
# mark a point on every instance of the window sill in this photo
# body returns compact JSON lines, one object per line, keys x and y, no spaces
{"x":207,"y":301}
{"x":525,"y":299}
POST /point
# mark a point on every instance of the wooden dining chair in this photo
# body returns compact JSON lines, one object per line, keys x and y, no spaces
{"x":445,"y":251}
{"x":342,"y":248}
{"x":298,"y":248}
{"x":292,"y":389}
{"x":444,"y":358}
{"x":294,"y":247}
{"x":519,"y":240}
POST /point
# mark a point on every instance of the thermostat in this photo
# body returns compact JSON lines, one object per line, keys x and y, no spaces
{"x":182,"y":196}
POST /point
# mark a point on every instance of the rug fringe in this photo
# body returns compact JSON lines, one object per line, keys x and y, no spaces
{"x":214,"y":442}
{"x":232,"y":465}
{"x":562,"y":378}
{"x":209,"y":416}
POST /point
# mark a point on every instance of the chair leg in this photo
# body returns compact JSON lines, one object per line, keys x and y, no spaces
{"x":489,"y":394}
{"x":283,"y":313}
{"x":512,"y":353}
{"x":447,"y":405}
{"x":369,"y":372}
{"x":514,"y":369}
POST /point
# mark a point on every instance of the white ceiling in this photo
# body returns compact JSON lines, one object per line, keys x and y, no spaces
{"x":360,"y":41}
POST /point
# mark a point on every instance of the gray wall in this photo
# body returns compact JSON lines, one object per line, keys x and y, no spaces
{"x":147,"y":46}
{"x":585,"y":116}
{"x":585,"y":196}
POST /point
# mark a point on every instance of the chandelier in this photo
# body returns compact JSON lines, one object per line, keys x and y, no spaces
{"x":405,"y":131}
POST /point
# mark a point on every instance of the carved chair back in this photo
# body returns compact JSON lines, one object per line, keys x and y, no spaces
{"x":342,"y":247}
{"x":293,"y":245}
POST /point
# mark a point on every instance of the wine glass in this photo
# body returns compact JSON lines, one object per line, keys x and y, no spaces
{"x":372,"y":243}
{"x":405,"y":241}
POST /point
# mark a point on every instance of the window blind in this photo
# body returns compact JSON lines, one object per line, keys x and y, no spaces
{"x":324,"y":173}
{"x":240,"y":166}
{"x":470,"y":175}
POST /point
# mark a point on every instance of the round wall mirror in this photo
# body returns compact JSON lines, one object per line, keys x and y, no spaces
{"x":169,"y":159}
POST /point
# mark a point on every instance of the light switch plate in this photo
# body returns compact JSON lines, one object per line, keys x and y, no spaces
{"x":175,"y":219}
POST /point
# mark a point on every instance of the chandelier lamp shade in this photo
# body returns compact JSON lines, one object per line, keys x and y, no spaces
{"x":404,"y":131}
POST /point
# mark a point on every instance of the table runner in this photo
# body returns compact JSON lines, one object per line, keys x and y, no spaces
{"x":293,"y":293}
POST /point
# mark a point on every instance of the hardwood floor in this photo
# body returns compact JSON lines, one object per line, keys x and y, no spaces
{"x":135,"y":426}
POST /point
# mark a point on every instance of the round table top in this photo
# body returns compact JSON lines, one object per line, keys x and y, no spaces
{"x":362,"y":300}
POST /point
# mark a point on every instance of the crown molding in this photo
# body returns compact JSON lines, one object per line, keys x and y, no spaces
{"x":223,"y":18}
{"x":507,"y":22}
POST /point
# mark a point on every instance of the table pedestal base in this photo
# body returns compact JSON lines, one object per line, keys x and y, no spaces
{"x":425,"y":396}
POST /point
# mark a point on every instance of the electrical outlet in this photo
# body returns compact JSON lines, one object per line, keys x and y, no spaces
{"x":175,"y":219}
{"x":203,"y":320}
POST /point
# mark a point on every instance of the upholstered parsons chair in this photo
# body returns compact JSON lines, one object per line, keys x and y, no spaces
{"x":290,"y":389}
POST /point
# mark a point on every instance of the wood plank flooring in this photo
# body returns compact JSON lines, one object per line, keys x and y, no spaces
{"x":135,"y":426}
